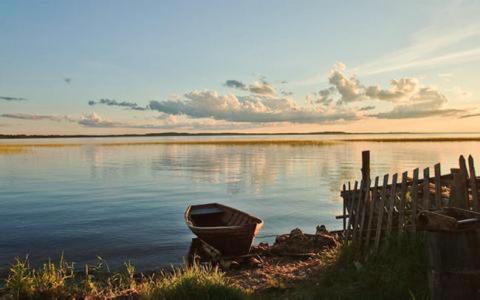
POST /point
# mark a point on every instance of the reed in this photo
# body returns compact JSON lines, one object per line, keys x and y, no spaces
{"x":60,"y":281}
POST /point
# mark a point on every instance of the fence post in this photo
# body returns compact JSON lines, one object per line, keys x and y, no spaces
{"x":350,"y":213}
{"x":473,"y":184}
{"x":391,"y":203}
{"x":381,"y":210}
{"x":403,"y":192}
{"x":426,"y":188}
{"x":365,"y":165}
{"x":364,"y":209}
{"x":438,"y":186}
{"x":371,"y":212}
{"x":414,"y":197}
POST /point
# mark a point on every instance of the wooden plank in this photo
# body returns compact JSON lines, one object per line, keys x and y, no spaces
{"x":351,"y":213}
{"x":371,"y":212}
{"x":438,"y":186}
{"x":426,"y":190}
{"x":347,"y":206}
{"x":381,"y":210}
{"x":391,"y":203}
{"x":473,"y":184}
{"x":365,"y":165}
{"x":363,"y":211}
{"x":356,"y":221}
{"x":464,"y":186}
{"x":414,"y":194}
{"x":403,"y":193}
{"x":344,"y":209}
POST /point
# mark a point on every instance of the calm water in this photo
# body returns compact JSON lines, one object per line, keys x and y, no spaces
{"x":126,"y":202}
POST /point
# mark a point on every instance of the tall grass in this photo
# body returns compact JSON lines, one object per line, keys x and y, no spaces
{"x":60,"y":281}
{"x":398,"y":271}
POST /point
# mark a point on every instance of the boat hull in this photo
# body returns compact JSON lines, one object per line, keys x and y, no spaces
{"x":232,"y":237}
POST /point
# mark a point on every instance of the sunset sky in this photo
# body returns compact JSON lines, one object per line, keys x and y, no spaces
{"x":98,"y":67}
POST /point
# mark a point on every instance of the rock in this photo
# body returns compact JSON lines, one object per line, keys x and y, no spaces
{"x":281,"y":238}
{"x":234,"y":265}
{"x":321,"y":229}
{"x":254,"y":262}
{"x":296,"y":232}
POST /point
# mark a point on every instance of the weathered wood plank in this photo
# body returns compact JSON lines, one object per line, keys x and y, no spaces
{"x":351,"y":212}
{"x":464,"y":185}
{"x":473,"y":184}
{"x":371,"y":212}
{"x":365,"y":165}
{"x":391,"y":203}
{"x":381,"y":210}
{"x":358,"y":206}
{"x":403,"y":193}
{"x":426,"y":190}
{"x":438,"y":186}
{"x":344,"y":209}
{"x":414,"y":196}
{"x":364,"y":210}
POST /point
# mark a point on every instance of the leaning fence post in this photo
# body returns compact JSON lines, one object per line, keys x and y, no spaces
{"x":371,"y":212}
{"x":391,"y":203}
{"x":473,"y":183}
{"x":350,"y":213}
{"x":403,"y":192}
{"x":344,"y":189}
{"x":438,"y":186}
{"x":426,"y":188}
{"x":357,"y":212}
{"x":380,"y":212}
{"x":414,"y":199}
{"x":364,"y":209}
{"x":464,"y":184}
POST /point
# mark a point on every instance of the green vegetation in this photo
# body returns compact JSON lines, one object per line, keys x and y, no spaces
{"x":60,"y":281}
{"x":398,"y":271}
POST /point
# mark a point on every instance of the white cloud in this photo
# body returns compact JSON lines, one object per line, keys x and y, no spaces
{"x":252,"y":108}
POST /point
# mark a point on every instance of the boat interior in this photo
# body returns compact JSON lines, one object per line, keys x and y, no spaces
{"x":212,"y":216}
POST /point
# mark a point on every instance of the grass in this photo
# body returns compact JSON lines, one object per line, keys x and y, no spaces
{"x":60,"y":281}
{"x":398,"y":271}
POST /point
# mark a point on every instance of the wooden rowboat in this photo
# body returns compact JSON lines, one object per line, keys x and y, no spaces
{"x":227,"y":229}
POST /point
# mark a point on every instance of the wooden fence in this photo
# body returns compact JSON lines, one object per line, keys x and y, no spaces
{"x":374,"y":210}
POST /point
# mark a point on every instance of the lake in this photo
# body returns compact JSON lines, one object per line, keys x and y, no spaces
{"x":123,"y":198}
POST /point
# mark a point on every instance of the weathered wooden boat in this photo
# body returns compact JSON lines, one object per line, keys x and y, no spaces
{"x":227,"y":229}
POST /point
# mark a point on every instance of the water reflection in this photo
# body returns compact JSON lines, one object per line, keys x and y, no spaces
{"x":126,"y":202}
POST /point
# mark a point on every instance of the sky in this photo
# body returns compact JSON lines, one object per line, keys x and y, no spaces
{"x":116,"y":67}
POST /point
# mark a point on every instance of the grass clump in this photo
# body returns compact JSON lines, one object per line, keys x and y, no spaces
{"x":196,"y":282}
{"x":60,"y":281}
{"x":397,"y":271}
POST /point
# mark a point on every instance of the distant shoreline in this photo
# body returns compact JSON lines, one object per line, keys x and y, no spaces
{"x":173,"y":134}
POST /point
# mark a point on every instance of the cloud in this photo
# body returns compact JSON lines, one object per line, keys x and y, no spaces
{"x":286,"y":93}
{"x":167,"y":123}
{"x":12,"y":98}
{"x":260,"y":87}
{"x":427,"y":102}
{"x":111,"y":102}
{"x":35,"y":117}
{"x":67,"y":80}
{"x":252,"y":108}
{"x":399,"y":89}
{"x":235,"y":84}
{"x":409,"y":97}
{"x":348,"y":87}
{"x":470,"y":116}
{"x":366,"y":108}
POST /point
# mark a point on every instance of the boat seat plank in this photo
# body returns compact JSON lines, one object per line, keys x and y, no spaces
{"x":206,"y":211}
